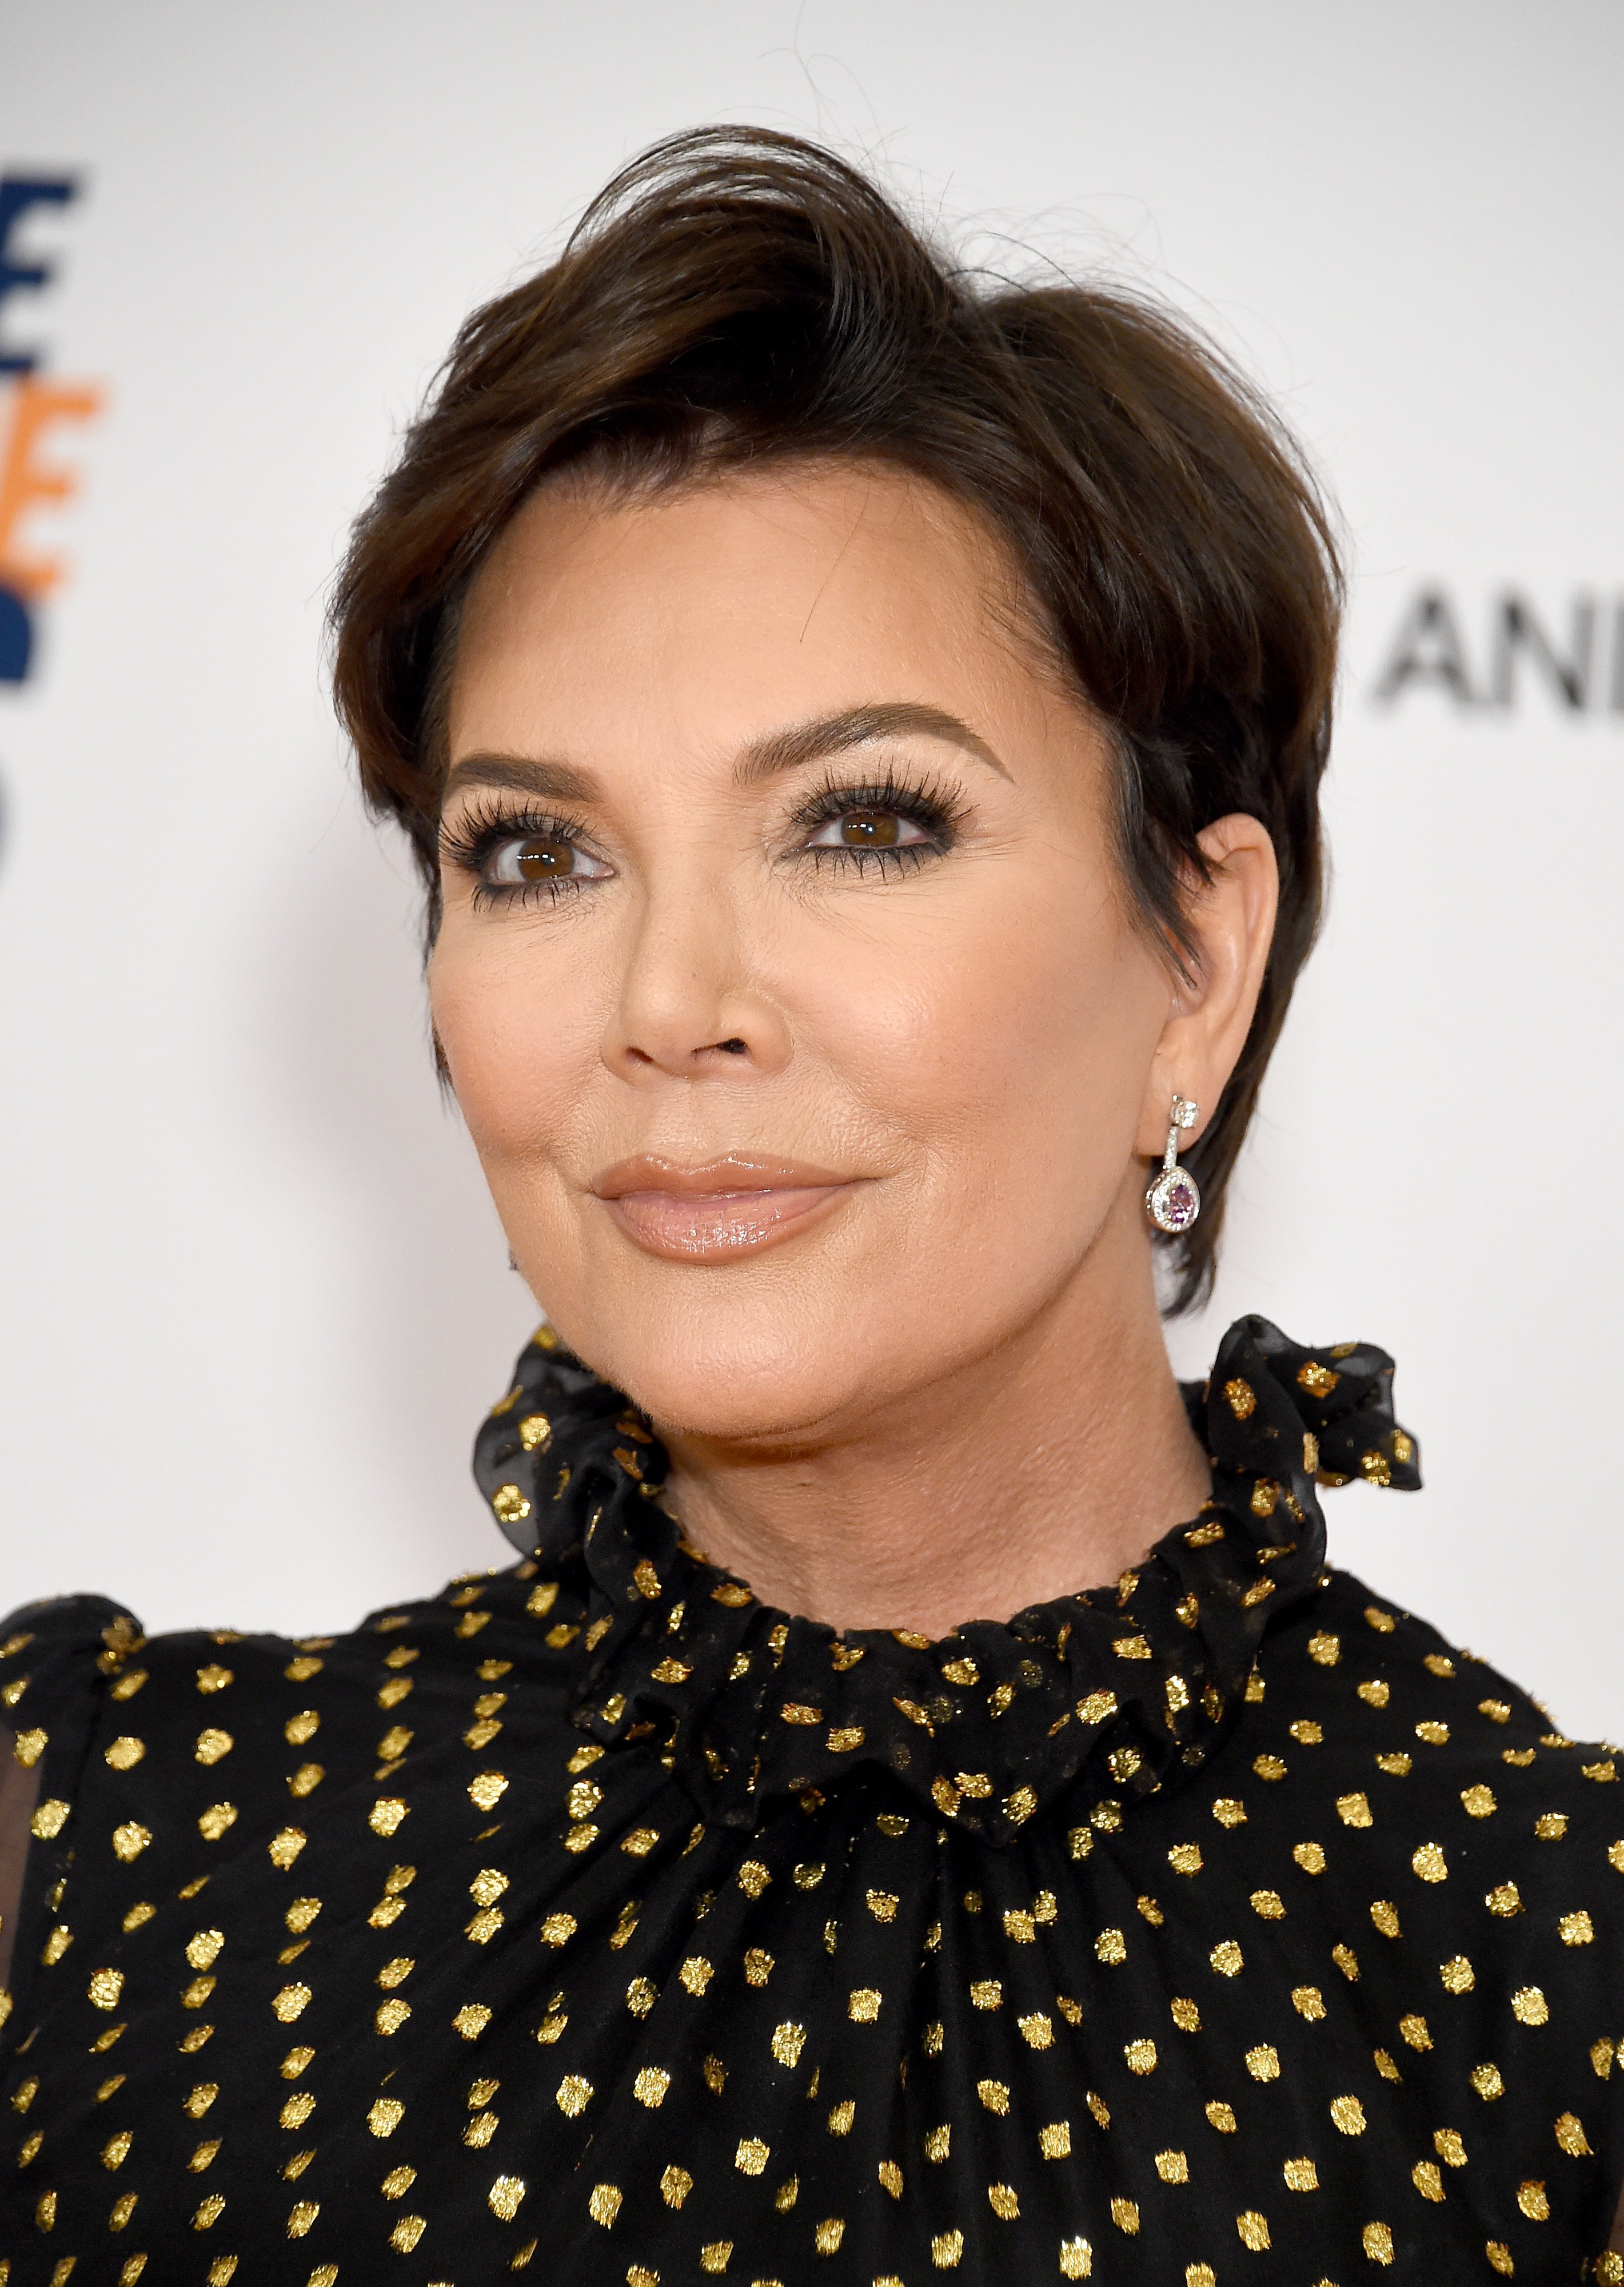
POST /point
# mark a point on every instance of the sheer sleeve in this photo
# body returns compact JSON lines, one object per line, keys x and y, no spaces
{"x":58,"y":1660}
{"x":19,"y":1792}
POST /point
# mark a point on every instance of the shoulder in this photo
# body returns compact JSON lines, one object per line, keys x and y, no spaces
{"x":142,"y":1746}
{"x":1359,"y":1656}
{"x":61,"y":1629}
{"x":56,"y":1659}
{"x":81,"y":1684}
{"x":1436,"y":1760}
{"x":66,"y":1654}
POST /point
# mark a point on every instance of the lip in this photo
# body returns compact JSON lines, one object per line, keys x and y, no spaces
{"x":720,"y":1209}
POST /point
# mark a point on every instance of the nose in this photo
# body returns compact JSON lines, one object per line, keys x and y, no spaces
{"x":691,"y":1004}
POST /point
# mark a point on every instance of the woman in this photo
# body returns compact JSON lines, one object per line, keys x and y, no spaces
{"x":919,"y":1802}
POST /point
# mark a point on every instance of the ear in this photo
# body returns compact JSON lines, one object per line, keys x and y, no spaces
{"x":1231,"y":921}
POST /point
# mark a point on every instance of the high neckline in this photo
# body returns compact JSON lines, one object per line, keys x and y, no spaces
{"x":1100,"y":1697}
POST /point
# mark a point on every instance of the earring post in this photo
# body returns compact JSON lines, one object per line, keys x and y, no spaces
{"x":1173,"y":1200}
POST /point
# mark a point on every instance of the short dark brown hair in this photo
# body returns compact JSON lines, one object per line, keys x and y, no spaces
{"x":737,"y":297}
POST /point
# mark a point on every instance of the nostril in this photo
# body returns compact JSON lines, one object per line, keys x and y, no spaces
{"x":733,"y":1048}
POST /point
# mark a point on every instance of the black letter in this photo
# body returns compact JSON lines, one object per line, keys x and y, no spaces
{"x":1428,"y":648}
{"x":1517,"y":625}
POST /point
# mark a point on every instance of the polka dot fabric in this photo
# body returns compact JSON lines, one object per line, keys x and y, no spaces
{"x":1223,"y":1925}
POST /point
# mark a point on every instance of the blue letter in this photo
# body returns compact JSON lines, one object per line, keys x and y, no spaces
{"x":18,"y":193}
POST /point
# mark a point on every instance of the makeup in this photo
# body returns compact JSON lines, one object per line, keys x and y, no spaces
{"x":719,"y":1210}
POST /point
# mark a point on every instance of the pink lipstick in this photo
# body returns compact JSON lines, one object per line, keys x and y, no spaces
{"x":720,"y":1210}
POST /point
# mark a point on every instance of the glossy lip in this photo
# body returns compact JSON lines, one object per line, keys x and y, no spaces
{"x":718,"y":1210}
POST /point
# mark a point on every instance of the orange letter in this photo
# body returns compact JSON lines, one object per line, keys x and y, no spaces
{"x":26,"y":480}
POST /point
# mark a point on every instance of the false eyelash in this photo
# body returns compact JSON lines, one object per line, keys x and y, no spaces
{"x":486,"y":822}
{"x":481,"y":828}
{"x":932,"y":803}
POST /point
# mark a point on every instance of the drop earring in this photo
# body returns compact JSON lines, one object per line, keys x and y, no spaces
{"x":1173,"y":1200}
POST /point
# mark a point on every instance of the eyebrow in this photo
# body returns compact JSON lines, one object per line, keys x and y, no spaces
{"x":553,"y":781}
{"x":856,"y":726}
{"x":788,"y":749}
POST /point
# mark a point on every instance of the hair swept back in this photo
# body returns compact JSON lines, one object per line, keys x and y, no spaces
{"x":737,"y":295}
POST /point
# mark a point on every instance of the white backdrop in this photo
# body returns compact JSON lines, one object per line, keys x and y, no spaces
{"x":254,"y":1298}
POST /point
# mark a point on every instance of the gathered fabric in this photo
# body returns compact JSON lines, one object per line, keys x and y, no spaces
{"x":987,"y":1725}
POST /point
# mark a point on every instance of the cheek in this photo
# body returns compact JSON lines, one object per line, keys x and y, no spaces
{"x":1009,"y":1044}
{"x":516,"y":1038}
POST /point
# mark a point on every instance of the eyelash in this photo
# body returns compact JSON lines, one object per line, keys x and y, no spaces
{"x":934,"y":806}
{"x":470,"y":840}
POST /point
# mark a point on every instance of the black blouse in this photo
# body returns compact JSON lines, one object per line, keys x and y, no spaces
{"x":1223,"y":1925}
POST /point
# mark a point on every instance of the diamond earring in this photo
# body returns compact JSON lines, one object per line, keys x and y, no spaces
{"x":1173,"y":1200}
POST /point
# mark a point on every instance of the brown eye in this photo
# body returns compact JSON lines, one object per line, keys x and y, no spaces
{"x":541,"y":857}
{"x":871,"y":826}
{"x":871,"y":829}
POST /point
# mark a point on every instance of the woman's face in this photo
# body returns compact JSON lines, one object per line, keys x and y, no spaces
{"x":786,"y":980}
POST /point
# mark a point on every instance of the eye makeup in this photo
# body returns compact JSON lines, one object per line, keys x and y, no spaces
{"x":513,"y":854}
{"x":889,"y":824}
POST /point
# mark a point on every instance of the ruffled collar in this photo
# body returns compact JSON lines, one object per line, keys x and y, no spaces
{"x":1096,"y":1697}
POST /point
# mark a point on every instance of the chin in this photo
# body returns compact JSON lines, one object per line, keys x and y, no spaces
{"x":705,"y":1355}
{"x":739,"y":1377}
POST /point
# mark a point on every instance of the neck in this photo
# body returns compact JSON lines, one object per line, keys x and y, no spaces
{"x":1050,"y":1465}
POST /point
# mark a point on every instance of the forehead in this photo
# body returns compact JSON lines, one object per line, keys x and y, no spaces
{"x":722,"y":606}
